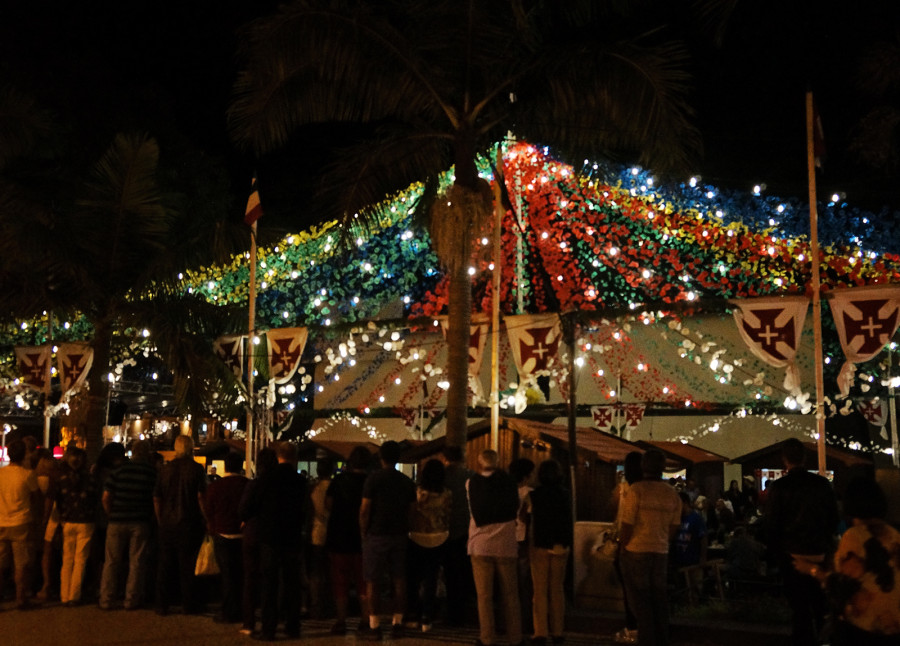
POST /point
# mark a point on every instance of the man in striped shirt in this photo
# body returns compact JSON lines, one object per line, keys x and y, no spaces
{"x":128,"y":501}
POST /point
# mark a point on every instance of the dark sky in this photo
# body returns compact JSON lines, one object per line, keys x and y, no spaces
{"x":168,"y":67}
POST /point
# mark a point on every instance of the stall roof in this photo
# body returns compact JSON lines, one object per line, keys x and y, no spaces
{"x":608,"y":448}
{"x":685,"y":452}
{"x":845,"y":457}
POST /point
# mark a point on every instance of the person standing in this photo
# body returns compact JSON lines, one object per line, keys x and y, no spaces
{"x":631,"y":473}
{"x":343,"y":540}
{"x":280,"y":505}
{"x":223,"y":523}
{"x":18,"y":494}
{"x":427,"y":534}
{"x":494,"y":503}
{"x":47,"y":472}
{"x":690,"y":544}
{"x":863,"y":583}
{"x":388,"y":502}
{"x":552,"y":535}
{"x":77,"y":495}
{"x":650,"y":519}
{"x":521,"y":470}
{"x":178,"y":500}
{"x":266,"y":461}
{"x":456,"y":565}
{"x":128,"y":501}
{"x":319,"y":592}
{"x":802,"y":521}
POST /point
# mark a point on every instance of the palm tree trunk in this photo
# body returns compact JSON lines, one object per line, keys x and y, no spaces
{"x":459,"y":319}
{"x":460,"y":306}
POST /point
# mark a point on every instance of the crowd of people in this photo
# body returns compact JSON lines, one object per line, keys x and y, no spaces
{"x":841,"y":581}
{"x":125,"y":533}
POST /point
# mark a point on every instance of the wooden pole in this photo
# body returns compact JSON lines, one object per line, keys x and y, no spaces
{"x":568,"y":324}
{"x":250,"y":454}
{"x":495,"y":305}
{"x":47,"y":391}
{"x":816,"y":281}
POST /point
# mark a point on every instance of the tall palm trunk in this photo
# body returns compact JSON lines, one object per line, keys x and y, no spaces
{"x":460,"y":295}
{"x":458,"y":323}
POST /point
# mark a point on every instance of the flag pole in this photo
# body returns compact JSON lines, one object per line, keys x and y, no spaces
{"x":495,"y":304}
{"x":49,"y":384}
{"x":251,"y":332}
{"x":816,"y":282}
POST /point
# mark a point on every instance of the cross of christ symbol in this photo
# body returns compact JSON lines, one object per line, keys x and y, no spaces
{"x":769,"y":334}
{"x":35,"y":369}
{"x":602,"y":416}
{"x":870,"y":325}
{"x":73,"y":369}
{"x":541,"y":346}
{"x":284,"y":355}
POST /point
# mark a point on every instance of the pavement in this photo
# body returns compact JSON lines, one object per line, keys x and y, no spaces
{"x":88,"y":625}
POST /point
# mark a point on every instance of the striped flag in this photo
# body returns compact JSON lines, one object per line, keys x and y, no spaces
{"x":254,"y":208}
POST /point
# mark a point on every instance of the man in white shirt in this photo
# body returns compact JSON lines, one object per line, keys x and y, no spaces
{"x":18,"y":487}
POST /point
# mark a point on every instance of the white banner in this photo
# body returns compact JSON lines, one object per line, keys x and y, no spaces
{"x":230,"y":349}
{"x":73,"y":362}
{"x":33,"y":363}
{"x":603,"y":417}
{"x":634,"y":414}
{"x":874,"y":410}
{"x":534,"y":341}
{"x":771,"y":328}
{"x":866,"y":319}
{"x":479,"y":329}
{"x":285,"y":348}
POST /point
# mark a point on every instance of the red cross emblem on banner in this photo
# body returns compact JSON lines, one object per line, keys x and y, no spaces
{"x":284,"y":356}
{"x":602,"y":416}
{"x":34,"y":369}
{"x":541,"y":350}
{"x":874,"y":330}
{"x":73,"y":368}
{"x":769,"y":334}
{"x":873,"y":411}
{"x":633,"y":415}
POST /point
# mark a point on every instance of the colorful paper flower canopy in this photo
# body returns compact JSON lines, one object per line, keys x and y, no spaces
{"x":599,"y":239}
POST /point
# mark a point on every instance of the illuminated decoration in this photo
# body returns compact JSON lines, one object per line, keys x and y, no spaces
{"x":75,"y":361}
{"x":230,"y":349}
{"x":655,"y":262}
{"x":33,"y":364}
{"x":875,"y":411}
{"x":866,"y":321}
{"x":771,"y":328}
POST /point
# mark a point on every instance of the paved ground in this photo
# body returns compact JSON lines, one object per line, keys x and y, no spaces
{"x":89,"y":626}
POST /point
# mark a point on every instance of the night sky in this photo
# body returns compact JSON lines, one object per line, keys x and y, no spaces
{"x":167,"y":68}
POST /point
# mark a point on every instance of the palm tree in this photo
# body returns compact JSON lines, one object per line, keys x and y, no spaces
{"x":413,"y":87}
{"x":108,"y":244}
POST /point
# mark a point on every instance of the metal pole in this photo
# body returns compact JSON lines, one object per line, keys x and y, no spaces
{"x":816,"y":281}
